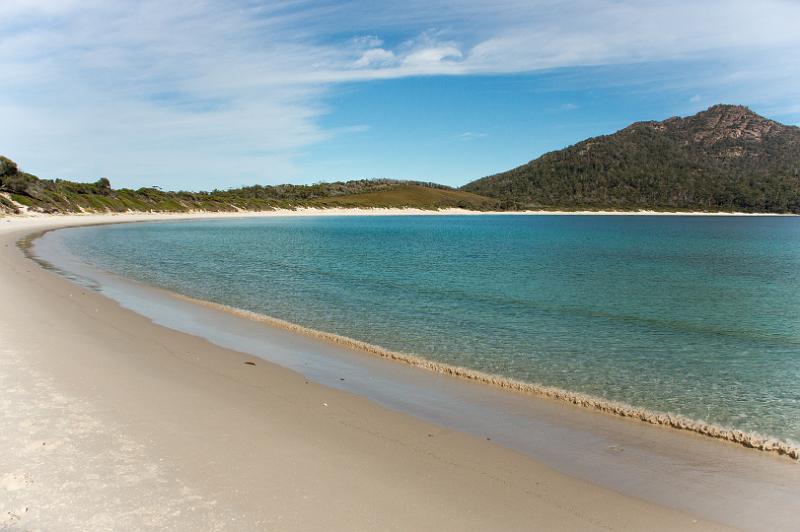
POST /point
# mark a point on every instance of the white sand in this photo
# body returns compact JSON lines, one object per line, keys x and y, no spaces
{"x":113,"y":422}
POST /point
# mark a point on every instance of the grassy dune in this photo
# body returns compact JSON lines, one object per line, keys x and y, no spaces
{"x":21,"y":191}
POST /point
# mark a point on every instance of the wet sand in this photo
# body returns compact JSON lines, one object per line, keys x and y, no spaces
{"x":114,"y":419}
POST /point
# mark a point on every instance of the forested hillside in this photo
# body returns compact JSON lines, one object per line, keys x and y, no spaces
{"x":726,"y":158}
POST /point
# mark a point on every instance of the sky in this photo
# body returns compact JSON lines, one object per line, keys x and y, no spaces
{"x":204,"y":94}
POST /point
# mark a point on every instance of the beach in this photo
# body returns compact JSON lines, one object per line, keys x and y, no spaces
{"x":117,"y":422}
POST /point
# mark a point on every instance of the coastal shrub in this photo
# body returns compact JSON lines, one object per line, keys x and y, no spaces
{"x":21,"y":183}
{"x":61,"y":195}
{"x":7,"y":207}
{"x":23,"y":200}
{"x":7,"y":166}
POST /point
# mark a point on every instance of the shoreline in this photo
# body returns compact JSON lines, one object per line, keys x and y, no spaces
{"x":384,"y":211}
{"x":750,"y":440}
{"x":614,"y":518}
{"x":720,"y":433}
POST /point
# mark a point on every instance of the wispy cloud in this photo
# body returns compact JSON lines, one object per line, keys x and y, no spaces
{"x":470,"y":135}
{"x":201,"y":92}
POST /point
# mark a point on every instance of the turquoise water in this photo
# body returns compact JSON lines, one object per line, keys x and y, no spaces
{"x":692,"y":315}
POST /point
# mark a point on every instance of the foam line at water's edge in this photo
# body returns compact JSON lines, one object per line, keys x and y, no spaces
{"x":747,"y":439}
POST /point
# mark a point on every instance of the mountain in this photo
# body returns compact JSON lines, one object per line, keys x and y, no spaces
{"x":20,"y":191}
{"x":726,"y":158}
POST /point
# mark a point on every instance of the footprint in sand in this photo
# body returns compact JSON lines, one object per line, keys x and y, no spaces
{"x":15,"y":481}
{"x":12,"y":517}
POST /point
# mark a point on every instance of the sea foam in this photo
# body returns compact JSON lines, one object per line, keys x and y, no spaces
{"x":747,"y":439}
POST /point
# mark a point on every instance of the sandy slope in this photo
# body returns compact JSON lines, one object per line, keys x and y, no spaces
{"x":112,"y":422}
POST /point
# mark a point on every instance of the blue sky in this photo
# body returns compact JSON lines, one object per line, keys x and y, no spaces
{"x":198,"y":94}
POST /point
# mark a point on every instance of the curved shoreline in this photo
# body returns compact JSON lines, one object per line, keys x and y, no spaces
{"x":676,"y":421}
{"x":747,"y":439}
{"x":262,"y":445}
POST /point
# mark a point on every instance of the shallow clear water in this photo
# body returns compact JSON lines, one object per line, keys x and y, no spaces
{"x":692,"y":315}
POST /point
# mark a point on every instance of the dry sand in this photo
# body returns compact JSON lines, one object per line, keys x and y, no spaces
{"x":113,"y":422}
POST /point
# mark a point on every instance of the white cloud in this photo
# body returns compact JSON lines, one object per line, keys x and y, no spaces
{"x":470,"y":135}
{"x":433,"y":59}
{"x":193,"y":93}
{"x":375,"y":57}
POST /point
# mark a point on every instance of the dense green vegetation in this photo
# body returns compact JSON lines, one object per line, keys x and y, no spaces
{"x":406,"y":194}
{"x":724,"y":159}
{"x":59,"y":195}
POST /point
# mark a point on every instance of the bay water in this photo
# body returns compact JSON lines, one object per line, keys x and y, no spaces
{"x":698,"y":316}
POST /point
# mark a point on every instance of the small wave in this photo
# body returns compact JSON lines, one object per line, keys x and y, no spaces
{"x":745,"y":438}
